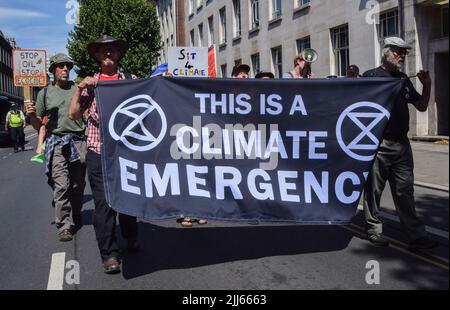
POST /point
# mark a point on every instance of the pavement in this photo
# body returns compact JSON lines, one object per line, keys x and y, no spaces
{"x":431,"y":162}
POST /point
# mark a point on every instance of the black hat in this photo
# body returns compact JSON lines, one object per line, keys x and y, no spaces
{"x":240,"y":68}
{"x":353,"y":68}
{"x":265,"y":74}
{"x":107,"y":40}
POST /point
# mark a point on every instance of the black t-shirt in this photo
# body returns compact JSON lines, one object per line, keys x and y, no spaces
{"x":398,"y":126}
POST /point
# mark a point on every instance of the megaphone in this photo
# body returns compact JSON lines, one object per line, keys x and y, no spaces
{"x":309,"y":55}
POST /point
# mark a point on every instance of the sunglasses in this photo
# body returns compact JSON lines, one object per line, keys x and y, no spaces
{"x":62,"y":65}
{"x":400,"y":51}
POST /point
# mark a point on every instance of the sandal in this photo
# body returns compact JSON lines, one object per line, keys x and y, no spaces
{"x":202,"y":222}
{"x":186,"y":222}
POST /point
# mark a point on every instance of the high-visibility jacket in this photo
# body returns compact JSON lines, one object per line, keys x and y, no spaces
{"x":15,"y":119}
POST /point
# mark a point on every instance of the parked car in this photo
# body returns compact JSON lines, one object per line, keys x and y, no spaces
{"x":4,"y":134}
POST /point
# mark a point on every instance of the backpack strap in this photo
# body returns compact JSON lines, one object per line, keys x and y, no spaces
{"x":45,"y":98}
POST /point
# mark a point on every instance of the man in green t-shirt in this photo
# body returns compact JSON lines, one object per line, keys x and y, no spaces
{"x":65,"y":150}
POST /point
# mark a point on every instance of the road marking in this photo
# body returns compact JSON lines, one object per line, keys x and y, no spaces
{"x":56,"y":276}
{"x":31,"y":136}
{"x":432,"y":186}
{"x":435,"y":231}
{"x":400,"y":246}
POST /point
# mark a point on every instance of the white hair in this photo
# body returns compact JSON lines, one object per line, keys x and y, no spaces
{"x":385,"y":54}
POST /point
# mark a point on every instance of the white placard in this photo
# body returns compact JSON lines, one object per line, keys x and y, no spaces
{"x":188,"y":61}
{"x":29,"y":67}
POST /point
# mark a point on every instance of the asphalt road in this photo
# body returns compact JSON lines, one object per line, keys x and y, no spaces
{"x":219,"y":256}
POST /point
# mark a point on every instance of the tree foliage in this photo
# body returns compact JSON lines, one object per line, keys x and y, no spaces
{"x":134,"y":21}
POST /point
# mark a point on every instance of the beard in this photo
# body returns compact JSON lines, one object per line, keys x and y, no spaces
{"x":393,"y":63}
{"x":62,"y":78}
{"x":108,"y":62}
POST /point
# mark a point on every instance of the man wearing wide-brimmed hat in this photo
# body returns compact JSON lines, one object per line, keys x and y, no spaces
{"x":65,"y":146}
{"x":107,"y":51}
{"x":394,"y":160}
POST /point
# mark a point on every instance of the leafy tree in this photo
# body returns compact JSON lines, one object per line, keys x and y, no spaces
{"x":134,"y":21}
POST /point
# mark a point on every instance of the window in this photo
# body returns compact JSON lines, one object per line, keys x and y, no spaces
{"x":254,"y":13}
{"x":301,"y":3}
{"x":276,"y":8}
{"x":339,"y":37}
{"x":192,"y":37}
{"x":223,"y":25}
{"x":237,"y":25}
{"x":389,"y":25}
{"x":256,"y":66}
{"x":210,"y":30}
{"x":200,"y":34}
{"x":303,"y":44}
{"x":191,"y":6}
{"x":223,"y":70}
{"x":445,"y":21}
{"x":277,"y":61}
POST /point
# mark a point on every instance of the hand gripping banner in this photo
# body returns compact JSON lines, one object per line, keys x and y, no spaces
{"x":240,"y":150}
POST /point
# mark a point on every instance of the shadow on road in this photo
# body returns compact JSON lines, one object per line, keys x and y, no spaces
{"x":404,"y":267}
{"x":433,"y":210}
{"x":175,"y":248}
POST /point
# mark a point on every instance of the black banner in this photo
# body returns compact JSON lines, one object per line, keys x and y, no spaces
{"x":240,"y":150}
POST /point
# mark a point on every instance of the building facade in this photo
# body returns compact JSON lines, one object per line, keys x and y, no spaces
{"x":267,"y":34}
{"x":8,"y":92}
{"x":171,"y":14}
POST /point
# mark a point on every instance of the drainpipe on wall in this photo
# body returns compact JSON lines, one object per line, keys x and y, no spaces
{"x":401,"y":12}
{"x":180,"y":16}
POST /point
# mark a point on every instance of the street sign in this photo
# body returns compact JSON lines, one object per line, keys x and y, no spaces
{"x":188,"y":61}
{"x":29,"y":67}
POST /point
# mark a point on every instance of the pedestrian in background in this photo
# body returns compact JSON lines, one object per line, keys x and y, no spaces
{"x":15,"y":123}
{"x":65,"y":149}
{"x":353,"y":72}
{"x":264,"y":75}
{"x":302,"y":69}
{"x":394,"y":160}
{"x":240,"y":71}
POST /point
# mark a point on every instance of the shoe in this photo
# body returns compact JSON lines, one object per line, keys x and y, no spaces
{"x":111,"y":265}
{"x":423,"y":243}
{"x":377,"y":240}
{"x":15,"y":151}
{"x":65,"y":235}
{"x":202,"y":222}
{"x":186,"y":222}
{"x":133,"y":246}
